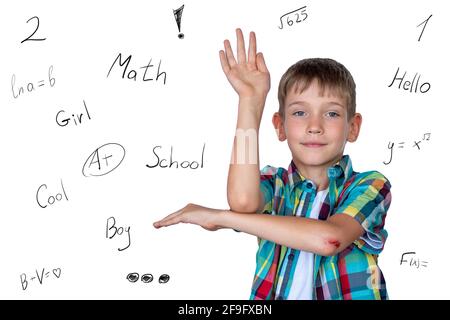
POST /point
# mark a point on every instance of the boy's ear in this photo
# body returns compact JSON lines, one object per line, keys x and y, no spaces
{"x":277,"y":121}
{"x":355,"y":126}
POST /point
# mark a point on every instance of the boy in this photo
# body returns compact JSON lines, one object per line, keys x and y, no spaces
{"x":323,"y":224}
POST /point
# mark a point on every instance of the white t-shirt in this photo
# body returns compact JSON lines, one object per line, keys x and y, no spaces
{"x":302,"y":285}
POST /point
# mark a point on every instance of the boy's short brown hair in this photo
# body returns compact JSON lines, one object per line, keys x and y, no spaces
{"x":330,"y":74}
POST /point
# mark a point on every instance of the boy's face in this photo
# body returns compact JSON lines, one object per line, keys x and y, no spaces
{"x":316,"y":127}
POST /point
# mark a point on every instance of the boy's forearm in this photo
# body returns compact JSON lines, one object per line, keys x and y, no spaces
{"x":243,"y":174}
{"x":319,"y":237}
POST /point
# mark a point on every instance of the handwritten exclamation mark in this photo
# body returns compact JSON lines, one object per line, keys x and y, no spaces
{"x":177,"y":13}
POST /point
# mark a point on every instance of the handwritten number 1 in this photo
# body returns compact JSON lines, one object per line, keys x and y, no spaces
{"x":37,"y":27}
{"x":425,"y":21}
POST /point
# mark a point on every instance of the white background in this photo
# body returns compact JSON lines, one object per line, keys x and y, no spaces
{"x":197,"y":106}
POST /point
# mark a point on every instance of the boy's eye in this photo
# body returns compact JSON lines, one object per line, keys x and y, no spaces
{"x":333,"y":114}
{"x":299,"y":113}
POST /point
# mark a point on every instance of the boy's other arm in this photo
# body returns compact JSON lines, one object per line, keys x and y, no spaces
{"x":250,"y":78}
{"x":323,"y":237}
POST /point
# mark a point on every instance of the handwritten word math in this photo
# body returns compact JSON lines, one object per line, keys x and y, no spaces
{"x":132,"y":74}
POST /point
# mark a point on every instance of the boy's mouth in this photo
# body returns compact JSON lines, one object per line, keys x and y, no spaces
{"x":313,"y":145}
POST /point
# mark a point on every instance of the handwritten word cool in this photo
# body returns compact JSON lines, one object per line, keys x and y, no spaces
{"x":50,"y":199}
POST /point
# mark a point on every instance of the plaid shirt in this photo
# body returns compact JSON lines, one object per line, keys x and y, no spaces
{"x":352,"y":273}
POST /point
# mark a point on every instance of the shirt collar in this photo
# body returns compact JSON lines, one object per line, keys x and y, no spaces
{"x":341,"y":169}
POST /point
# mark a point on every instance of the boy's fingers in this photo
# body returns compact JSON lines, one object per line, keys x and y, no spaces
{"x":170,"y":216}
{"x":260,"y":63}
{"x":252,"y":49}
{"x":240,"y":46}
{"x":224,"y":62}
{"x":167,"y":222}
{"x":179,"y":218}
{"x":229,"y":53}
{"x":172,"y":221}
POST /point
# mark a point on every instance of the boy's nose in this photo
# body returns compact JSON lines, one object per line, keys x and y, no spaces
{"x":314,"y":127}
{"x":314,"y":130}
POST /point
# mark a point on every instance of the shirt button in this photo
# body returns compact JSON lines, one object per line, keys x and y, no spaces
{"x":291,"y":256}
{"x":332,"y":172}
{"x":309,"y":185}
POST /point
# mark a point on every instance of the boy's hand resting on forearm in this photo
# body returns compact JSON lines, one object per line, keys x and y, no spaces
{"x":249,"y":75}
{"x":194,"y":214}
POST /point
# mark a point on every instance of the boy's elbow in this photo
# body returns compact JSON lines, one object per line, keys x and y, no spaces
{"x":331,"y":244}
{"x":329,"y":249}
{"x":242,"y":204}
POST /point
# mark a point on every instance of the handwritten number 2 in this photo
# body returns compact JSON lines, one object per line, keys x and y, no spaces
{"x":37,"y":27}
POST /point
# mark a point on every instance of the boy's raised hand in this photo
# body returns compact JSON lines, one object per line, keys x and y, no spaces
{"x":249,"y":75}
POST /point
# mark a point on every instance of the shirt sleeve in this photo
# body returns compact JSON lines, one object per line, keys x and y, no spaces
{"x":368,"y":202}
{"x":267,"y":187}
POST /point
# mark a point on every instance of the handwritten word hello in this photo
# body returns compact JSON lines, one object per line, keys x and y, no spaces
{"x":409,"y":85}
